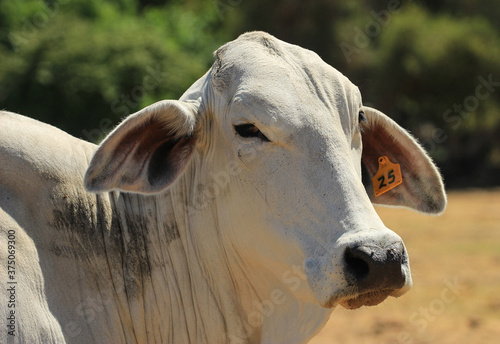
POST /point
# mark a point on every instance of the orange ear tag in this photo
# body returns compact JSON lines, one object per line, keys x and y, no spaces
{"x":387,"y":177}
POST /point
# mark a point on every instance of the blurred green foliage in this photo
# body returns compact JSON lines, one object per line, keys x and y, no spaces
{"x":73,"y":63}
{"x":433,"y":66}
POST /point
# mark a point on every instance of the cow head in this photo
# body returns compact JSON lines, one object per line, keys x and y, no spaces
{"x":268,"y":148}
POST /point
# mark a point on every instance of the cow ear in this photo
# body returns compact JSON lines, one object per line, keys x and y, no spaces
{"x":147,"y":151}
{"x":422,"y":187}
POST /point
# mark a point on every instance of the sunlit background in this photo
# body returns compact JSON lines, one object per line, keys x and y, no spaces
{"x":433,"y":66}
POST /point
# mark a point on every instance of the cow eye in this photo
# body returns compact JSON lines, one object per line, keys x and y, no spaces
{"x":361,"y":116}
{"x":249,"y":130}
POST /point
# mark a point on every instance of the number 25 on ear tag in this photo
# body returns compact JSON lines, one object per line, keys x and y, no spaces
{"x":387,"y":177}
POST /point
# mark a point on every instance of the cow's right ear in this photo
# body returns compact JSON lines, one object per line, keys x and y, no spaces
{"x":147,"y":151}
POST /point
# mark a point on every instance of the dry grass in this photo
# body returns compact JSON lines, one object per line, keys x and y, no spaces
{"x":461,"y":247}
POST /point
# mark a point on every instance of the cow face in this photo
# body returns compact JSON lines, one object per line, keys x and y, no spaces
{"x":269,"y":147}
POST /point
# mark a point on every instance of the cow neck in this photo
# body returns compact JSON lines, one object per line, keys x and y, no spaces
{"x":174,"y":280}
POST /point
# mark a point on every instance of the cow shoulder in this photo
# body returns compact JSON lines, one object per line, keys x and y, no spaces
{"x":32,"y":149}
{"x":41,"y":180}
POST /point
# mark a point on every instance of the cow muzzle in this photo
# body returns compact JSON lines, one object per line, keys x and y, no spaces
{"x":372,"y":269}
{"x":375,"y":271}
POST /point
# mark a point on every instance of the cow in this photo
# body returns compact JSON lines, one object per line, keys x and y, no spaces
{"x":240,"y":213}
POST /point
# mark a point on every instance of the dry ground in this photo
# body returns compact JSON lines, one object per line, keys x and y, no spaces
{"x":455,"y":262}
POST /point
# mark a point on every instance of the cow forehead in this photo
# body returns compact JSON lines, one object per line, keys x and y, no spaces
{"x":260,"y":72}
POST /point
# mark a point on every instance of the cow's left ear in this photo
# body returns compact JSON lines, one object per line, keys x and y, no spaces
{"x":422,"y":187}
{"x":147,"y":151}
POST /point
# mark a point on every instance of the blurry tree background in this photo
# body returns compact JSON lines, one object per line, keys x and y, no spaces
{"x":432,"y":65}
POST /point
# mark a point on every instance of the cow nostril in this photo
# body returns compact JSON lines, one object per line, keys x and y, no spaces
{"x":371,"y":267}
{"x":355,"y":265}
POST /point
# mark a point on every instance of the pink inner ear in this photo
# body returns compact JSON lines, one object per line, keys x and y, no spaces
{"x":143,"y":140}
{"x":155,"y":156}
{"x":133,"y":151}
{"x":146,"y":158}
{"x":378,"y":142}
{"x":422,"y":187}
{"x":169,"y":160}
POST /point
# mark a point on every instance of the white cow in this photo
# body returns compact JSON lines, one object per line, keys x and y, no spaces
{"x":236,"y":214}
